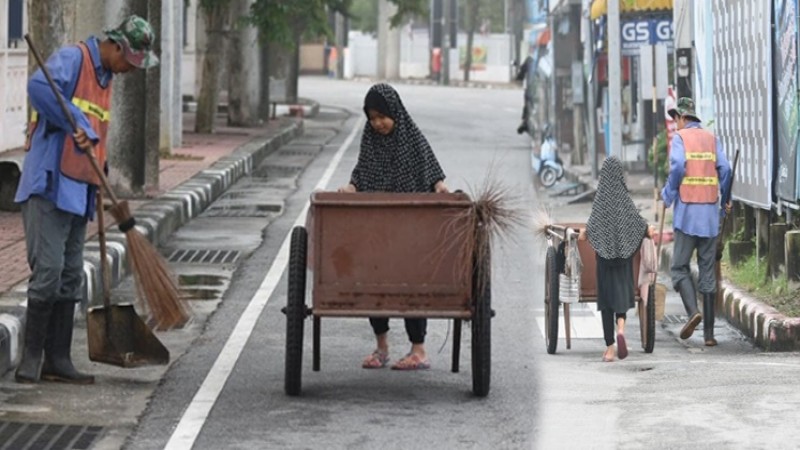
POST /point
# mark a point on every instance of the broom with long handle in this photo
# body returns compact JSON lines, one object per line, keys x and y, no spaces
{"x":153,"y":278}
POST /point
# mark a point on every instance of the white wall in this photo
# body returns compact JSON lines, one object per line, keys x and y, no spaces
{"x":13,"y":84}
{"x":415,"y":56}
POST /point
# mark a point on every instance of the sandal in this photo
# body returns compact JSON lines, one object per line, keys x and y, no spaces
{"x":412,"y":361}
{"x":377,"y":360}
{"x":622,"y":347}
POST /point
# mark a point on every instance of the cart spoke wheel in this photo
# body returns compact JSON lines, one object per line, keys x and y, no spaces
{"x":295,"y":311}
{"x":551,"y":301}
{"x":482,"y":329}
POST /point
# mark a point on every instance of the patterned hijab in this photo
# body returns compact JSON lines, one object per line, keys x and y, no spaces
{"x":401,"y":161}
{"x":615,"y":228}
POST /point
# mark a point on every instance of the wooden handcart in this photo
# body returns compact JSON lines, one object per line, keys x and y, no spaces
{"x":388,"y":255}
{"x":559,"y":235}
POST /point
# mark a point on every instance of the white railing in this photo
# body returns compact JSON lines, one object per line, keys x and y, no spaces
{"x":13,"y":87}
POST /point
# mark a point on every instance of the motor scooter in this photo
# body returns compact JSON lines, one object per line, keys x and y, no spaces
{"x":547,"y":165}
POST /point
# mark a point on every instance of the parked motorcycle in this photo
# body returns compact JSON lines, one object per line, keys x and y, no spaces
{"x":547,"y":166}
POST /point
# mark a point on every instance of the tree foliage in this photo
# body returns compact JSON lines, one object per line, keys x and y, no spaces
{"x":283,"y":21}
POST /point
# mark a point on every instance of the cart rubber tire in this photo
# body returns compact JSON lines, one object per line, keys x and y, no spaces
{"x":295,"y":311}
{"x":551,"y":302}
{"x":548,"y":176}
{"x":482,"y":333}
{"x":650,"y":318}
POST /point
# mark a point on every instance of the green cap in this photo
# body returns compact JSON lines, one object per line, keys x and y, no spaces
{"x":136,"y":37}
{"x":684,"y":107}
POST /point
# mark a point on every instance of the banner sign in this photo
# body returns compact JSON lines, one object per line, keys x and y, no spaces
{"x":785,"y":68}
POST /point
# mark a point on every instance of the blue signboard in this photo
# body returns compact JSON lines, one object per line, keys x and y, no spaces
{"x":635,"y":33}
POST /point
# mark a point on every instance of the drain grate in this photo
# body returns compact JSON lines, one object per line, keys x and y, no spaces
{"x":23,"y":436}
{"x":675,"y":319}
{"x":271,"y":170}
{"x":243,"y":210}
{"x":210,"y":257}
{"x":298,"y":152}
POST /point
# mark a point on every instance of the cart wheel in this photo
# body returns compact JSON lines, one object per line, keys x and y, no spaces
{"x":482,"y":331}
{"x":295,"y":311}
{"x":551,"y":301}
{"x":650,"y":320}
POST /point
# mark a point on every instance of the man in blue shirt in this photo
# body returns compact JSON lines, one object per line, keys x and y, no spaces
{"x":57,"y":192}
{"x":698,"y":171}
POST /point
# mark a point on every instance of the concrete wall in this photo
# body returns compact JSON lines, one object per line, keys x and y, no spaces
{"x":312,"y":58}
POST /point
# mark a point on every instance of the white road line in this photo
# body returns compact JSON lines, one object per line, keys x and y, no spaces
{"x":197,"y":412}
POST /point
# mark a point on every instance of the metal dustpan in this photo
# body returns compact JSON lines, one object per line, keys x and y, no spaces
{"x":116,"y":334}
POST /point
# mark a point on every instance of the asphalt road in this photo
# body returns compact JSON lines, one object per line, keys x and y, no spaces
{"x":226,"y":390}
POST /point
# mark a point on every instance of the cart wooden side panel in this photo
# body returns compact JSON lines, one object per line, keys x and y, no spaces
{"x":589,"y":271}
{"x":390,"y":255}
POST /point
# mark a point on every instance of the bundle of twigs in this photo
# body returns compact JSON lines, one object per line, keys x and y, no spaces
{"x":153,"y":279}
{"x":493,"y":214}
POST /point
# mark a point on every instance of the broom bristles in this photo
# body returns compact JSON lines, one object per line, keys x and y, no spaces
{"x":153,"y":279}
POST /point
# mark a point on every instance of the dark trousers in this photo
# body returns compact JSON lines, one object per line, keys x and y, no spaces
{"x":414,"y":327}
{"x":680,"y":270}
{"x":608,"y":324}
{"x":54,"y":240}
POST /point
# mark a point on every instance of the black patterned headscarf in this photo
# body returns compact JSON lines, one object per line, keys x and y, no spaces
{"x":615,"y":227}
{"x":401,"y":161}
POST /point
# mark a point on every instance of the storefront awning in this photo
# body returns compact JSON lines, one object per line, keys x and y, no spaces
{"x":599,"y":7}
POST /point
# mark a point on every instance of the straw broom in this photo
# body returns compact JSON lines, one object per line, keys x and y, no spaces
{"x":152,"y":275}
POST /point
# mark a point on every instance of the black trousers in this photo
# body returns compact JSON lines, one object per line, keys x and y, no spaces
{"x":414,"y":327}
{"x":608,"y":324}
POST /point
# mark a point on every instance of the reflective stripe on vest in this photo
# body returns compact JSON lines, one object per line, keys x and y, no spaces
{"x":700,"y":183}
{"x":95,"y":101}
{"x":92,"y":109}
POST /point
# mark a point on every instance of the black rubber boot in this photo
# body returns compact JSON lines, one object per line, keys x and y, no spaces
{"x":37,"y":317}
{"x":708,"y":319}
{"x":58,"y":347}
{"x":689,"y":298}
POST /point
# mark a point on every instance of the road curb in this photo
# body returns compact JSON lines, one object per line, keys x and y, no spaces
{"x":763,"y":324}
{"x":156,"y":220}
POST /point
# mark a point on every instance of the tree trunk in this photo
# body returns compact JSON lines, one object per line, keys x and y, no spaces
{"x":152,"y":116}
{"x":293,"y":75}
{"x":46,"y":27}
{"x":265,"y":67}
{"x":217,"y":24}
{"x":239,"y":112}
{"x":473,"y":6}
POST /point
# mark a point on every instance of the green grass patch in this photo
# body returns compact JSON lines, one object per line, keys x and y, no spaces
{"x":751,"y":276}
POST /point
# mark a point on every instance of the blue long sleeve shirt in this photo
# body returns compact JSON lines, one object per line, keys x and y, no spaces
{"x":694,"y":219}
{"x":41,"y":172}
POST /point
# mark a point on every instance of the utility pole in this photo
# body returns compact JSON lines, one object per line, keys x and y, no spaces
{"x":614,"y":79}
{"x":591,"y":113}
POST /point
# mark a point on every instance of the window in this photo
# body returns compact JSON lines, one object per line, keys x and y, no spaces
{"x":14,"y":21}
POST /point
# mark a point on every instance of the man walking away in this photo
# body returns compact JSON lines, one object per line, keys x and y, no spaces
{"x":698,"y":169}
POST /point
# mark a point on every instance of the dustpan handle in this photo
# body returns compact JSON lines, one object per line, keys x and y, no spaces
{"x":68,"y":114}
{"x":101,"y":236}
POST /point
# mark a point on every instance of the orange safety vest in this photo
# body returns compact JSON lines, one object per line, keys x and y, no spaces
{"x":95,"y":101}
{"x":700,"y":183}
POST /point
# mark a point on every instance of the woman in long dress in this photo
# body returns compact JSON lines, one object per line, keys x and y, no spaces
{"x":615,"y":230}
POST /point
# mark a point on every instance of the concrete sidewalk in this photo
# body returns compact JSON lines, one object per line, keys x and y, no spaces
{"x":768,"y":328}
{"x":197,"y":174}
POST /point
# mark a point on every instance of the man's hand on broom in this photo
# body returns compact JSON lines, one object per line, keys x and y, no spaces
{"x":83,"y":141}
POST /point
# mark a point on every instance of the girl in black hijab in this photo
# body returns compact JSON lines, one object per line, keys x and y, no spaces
{"x":394,"y":157}
{"x":615,"y":230}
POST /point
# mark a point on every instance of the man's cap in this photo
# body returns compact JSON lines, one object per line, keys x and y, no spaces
{"x":136,"y":37}
{"x":684,"y":107}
